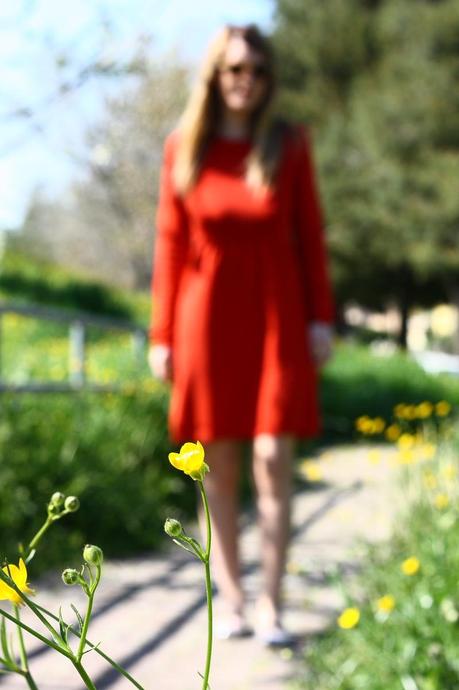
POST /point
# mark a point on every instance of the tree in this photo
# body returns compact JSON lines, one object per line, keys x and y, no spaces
{"x":105,"y":222}
{"x":378,"y":83}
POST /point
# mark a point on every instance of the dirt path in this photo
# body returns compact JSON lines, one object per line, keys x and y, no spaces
{"x":150,"y":614}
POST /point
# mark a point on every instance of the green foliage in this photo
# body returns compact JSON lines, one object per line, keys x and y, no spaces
{"x":415,"y":645}
{"x":357,"y":382}
{"x":109,"y":450}
{"x":25,"y":280}
{"x":378,"y":82}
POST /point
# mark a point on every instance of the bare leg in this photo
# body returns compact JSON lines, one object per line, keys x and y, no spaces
{"x":272,"y":469}
{"x":222,"y":483}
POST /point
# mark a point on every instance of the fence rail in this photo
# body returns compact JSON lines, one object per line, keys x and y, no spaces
{"x":78,"y":322}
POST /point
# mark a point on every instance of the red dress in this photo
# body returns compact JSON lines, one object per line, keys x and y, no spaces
{"x":237,"y":278}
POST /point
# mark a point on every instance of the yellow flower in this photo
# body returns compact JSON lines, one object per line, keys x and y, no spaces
{"x":385,"y":603}
{"x":349,"y":618}
{"x":399,"y":410}
{"x":441,"y":501}
{"x":430,"y":480}
{"x":364,"y":424}
{"x":442,"y":408}
{"x":406,"y":456}
{"x":378,"y":425}
{"x":406,"y":441}
{"x":190,"y":460}
{"x":424,"y":409}
{"x":410,"y":411}
{"x":311,"y":471}
{"x":19,"y":576}
{"x":374,"y":456}
{"x":393,"y":432}
{"x":410,"y":566}
{"x":428,"y":451}
{"x":449,"y":471}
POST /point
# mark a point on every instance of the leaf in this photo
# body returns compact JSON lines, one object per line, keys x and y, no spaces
{"x":78,"y":615}
{"x":63,"y":627}
{"x":93,"y":647}
{"x":4,"y":644}
{"x":201,"y":676}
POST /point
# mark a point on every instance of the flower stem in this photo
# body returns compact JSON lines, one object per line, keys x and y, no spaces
{"x":87,"y":617}
{"x":206,"y":562}
{"x":22,"y":649}
{"x":30,"y":681}
{"x":87,"y":680}
{"x":33,"y":632}
{"x":39,"y":535}
{"x":96,"y":649}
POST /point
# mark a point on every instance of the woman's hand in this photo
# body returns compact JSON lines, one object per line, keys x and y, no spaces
{"x":321,"y":341}
{"x":160,"y":362}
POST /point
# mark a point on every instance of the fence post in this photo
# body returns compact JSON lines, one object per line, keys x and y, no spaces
{"x":1,"y":343}
{"x":138,"y":342}
{"x":77,"y":354}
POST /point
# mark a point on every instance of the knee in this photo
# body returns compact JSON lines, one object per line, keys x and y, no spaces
{"x":271,"y":463}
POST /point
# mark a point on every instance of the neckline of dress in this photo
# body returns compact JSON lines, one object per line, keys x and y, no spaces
{"x":243,"y":141}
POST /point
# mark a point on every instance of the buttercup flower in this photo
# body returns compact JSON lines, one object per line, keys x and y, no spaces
{"x":393,"y":432}
{"x":311,"y":471}
{"x":424,"y":409}
{"x":430,"y":480}
{"x":190,"y":460}
{"x":441,"y":501}
{"x":19,"y":576}
{"x":410,"y":566}
{"x":442,"y":408}
{"x":406,"y":441}
{"x":349,"y":618}
{"x":374,"y":456}
{"x":386,"y":603}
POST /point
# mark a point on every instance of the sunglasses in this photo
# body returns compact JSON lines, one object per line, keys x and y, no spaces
{"x":257,"y":71}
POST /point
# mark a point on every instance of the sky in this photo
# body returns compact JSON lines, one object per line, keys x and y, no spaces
{"x":43,"y":151}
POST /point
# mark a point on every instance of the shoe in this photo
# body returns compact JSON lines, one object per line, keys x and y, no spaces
{"x":232,"y":629}
{"x":276,"y":637}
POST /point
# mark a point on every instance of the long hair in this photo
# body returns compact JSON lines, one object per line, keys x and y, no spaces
{"x":202,"y":114}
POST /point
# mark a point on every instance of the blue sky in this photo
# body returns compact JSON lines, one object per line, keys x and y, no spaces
{"x":43,"y":151}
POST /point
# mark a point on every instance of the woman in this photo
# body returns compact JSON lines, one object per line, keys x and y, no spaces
{"x":242,"y":302}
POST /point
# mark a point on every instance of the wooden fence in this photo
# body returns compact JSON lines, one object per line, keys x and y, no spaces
{"x":77,"y":325}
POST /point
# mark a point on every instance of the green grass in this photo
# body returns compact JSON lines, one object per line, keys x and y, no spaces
{"x":415,"y":646}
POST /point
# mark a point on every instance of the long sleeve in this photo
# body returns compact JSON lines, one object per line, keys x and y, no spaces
{"x":170,"y":251}
{"x":318,"y":297}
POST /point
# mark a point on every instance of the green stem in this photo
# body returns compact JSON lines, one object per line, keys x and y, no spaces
{"x":33,"y":632}
{"x":39,"y":535}
{"x":87,"y":680}
{"x":87,"y":617}
{"x":22,"y":649}
{"x":207,"y":512}
{"x":30,"y":681}
{"x":113,"y":663}
{"x":205,"y":684}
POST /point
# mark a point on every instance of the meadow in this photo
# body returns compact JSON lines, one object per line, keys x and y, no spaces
{"x":399,"y":628}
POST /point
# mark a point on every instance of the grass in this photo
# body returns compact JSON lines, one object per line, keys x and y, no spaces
{"x":407,"y":635}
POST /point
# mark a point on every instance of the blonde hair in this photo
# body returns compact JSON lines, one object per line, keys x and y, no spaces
{"x":201,"y":117}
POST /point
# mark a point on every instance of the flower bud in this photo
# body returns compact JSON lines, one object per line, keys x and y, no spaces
{"x":71,"y":504}
{"x":173,"y":527}
{"x":70,"y":576}
{"x":57,"y":499}
{"x":93,"y":555}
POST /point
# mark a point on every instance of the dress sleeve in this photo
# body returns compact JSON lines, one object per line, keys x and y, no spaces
{"x":170,"y":251}
{"x":318,"y":297}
